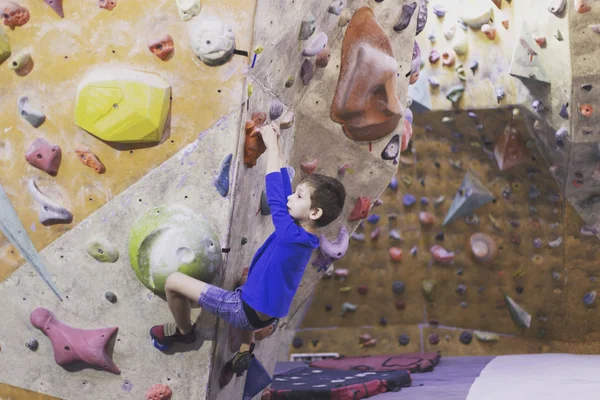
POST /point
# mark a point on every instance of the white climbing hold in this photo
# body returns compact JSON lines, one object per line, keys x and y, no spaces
{"x":188,"y":9}
{"x":475,"y":13}
{"x":213,"y":41}
{"x":315,"y":45}
{"x":50,"y":212}
{"x":337,"y":6}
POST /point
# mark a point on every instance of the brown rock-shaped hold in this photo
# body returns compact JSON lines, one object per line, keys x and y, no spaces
{"x":44,"y":155}
{"x":483,"y":247}
{"x":107,"y":4}
{"x":57,"y":6}
{"x":159,"y":392}
{"x":366,"y":102}
{"x":395,"y":254}
{"x":254,"y":146}
{"x":361,"y":209}
{"x":88,"y":158}
{"x":308,"y":167}
{"x":323,"y":57}
{"x":14,"y":14}
{"x":162,"y":47}
{"x":510,"y":149}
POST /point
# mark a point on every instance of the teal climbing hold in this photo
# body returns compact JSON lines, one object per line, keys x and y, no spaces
{"x":471,"y":195}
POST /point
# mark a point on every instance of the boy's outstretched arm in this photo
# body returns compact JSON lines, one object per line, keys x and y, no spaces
{"x":270,"y":135}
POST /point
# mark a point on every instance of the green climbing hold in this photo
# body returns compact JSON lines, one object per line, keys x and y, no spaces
{"x":486,"y":336}
{"x":519,"y":316}
{"x":102,"y":250}
{"x":428,"y":288}
{"x":455,"y":93}
{"x":4,"y":48}
{"x":170,"y":239}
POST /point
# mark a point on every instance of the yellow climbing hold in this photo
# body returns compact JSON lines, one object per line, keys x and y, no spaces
{"x":4,"y":48}
{"x":345,"y":289}
{"x":250,"y":89}
{"x":123,"y":106}
{"x":258,"y":49}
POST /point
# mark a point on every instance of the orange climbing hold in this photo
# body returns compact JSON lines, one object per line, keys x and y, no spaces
{"x":361,"y":209}
{"x":308,"y":167}
{"x":88,"y":158}
{"x":448,"y":58}
{"x":395,"y":254}
{"x":162,"y":47}
{"x":254,"y":146}
{"x":426,"y":218}
{"x":107,"y":4}
{"x":159,"y":392}
{"x":581,"y":6}
{"x":14,"y":14}
{"x":586,"y":110}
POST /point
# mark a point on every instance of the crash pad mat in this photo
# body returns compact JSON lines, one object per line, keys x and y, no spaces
{"x":413,"y":362}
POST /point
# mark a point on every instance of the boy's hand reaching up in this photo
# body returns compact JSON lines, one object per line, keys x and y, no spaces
{"x":270,"y":135}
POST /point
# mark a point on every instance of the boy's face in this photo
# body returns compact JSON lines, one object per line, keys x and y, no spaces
{"x":299,"y":203}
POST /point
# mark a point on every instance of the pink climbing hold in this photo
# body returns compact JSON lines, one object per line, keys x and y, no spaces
{"x":57,"y":6}
{"x":441,"y":255}
{"x":159,"y":392}
{"x":44,"y":155}
{"x":361,"y":209}
{"x":342,"y":169}
{"x":308,"y":167}
{"x":72,"y":344}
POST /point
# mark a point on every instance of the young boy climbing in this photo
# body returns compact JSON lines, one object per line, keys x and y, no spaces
{"x":276,"y":269}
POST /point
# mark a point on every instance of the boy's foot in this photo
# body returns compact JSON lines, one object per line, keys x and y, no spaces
{"x":241,"y":361}
{"x":266,"y":331}
{"x":163,"y":336}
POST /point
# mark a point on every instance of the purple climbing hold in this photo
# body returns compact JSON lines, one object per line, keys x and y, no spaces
{"x":413,"y":251}
{"x":408,"y":200}
{"x":383,"y":321}
{"x":422,"y":17}
{"x":537,"y":243}
{"x":472,"y":115}
{"x":463,"y":304}
{"x":393,"y":183}
{"x":375,"y":233}
{"x":276,"y":109}
{"x":433,"y":338}
{"x":297,"y":343}
{"x":408,"y":115}
{"x":307,"y":71}
{"x":534,"y":192}
{"x":439,"y":11}
{"x":358,"y":236}
{"x":466,"y":337}
{"x":424,"y":201}
{"x":398,"y":287}
{"x":222,"y":180}
{"x":407,"y":12}
{"x":564,"y":112}
{"x":332,"y":251}
{"x":589,"y":298}
{"x":127,"y":385}
{"x":461,"y":289}
{"x":373,"y":219}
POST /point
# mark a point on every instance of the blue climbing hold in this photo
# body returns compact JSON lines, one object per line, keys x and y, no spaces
{"x":373,"y":219}
{"x":222,"y":181}
{"x":393,"y":183}
{"x":589,"y":298}
{"x":424,"y":201}
{"x":398,"y":287}
{"x":408,"y":200}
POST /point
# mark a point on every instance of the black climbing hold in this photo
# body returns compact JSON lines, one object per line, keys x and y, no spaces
{"x":440,"y":237}
{"x":110,"y":296}
{"x":407,"y":12}
{"x":437,"y":165}
{"x":564,"y":113}
{"x":392,"y":149}
{"x":541,"y":334}
{"x":519,"y":289}
{"x":32,"y":344}
{"x":466,"y":337}
{"x":264,"y":204}
{"x":398,"y":287}
{"x":244,"y":241}
{"x":383,"y":321}
{"x":459,"y":271}
{"x":225,"y":250}
{"x":587,"y":87}
{"x":328,"y":307}
{"x":297,"y":343}
{"x":314,"y":342}
{"x":403,"y":340}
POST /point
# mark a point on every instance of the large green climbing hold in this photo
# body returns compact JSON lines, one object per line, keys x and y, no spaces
{"x":520,"y":317}
{"x":471,"y":195}
{"x":170,"y":239}
{"x":4,"y":47}
{"x":102,"y":250}
{"x":428,"y":288}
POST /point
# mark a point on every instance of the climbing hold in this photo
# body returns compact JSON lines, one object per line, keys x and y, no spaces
{"x":336,"y":7}
{"x":539,"y":39}
{"x":32,"y":344}
{"x":88,"y":158}
{"x":510,"y":149}
{"x":489,"y":31}
{"x":362,"y":289}
{"x":366,"y":340}
{"x":440,"y":237}
{"x":315,"y":45}
{"x":476,"y":14}
{"x":433,"y":338}
{"x":297,"y":343}
{"x":308,"y":167}
{"x":33,"y":116}
{"x":586,"y":110}
{"x":416,"y":64}
{"x":21,"y":62}
{"x":581,"y":6}
{"x":466,"y":337}
{"x":71,"y":344}
{"x":383,"y":321}
{"x":323,"y":57}
{"x":346,"y":307}
{"x":14,"y":14}
{"x":50,"y":212}
{"x":307,"y":71}
{"x":426,"y":218}
{"x":254,"y":146}
{"x":520,"y":317}
{"x":173,"y":238}
{"x":395,"y":254}
{"x":400,"y":304}
{"x":422,"y":16}
{"x":5,"y":50}
{"x":486,"y":336}
{"x":433,"y":81}
{"x":460,"y":44}
{"x":188,"y":9}
{"x":102,"y":250}
{"x":483,"y":247}
{"x":407,"y":12}
{"x":557,"y":6}
{"x":395,"y":234}
{"x":221,"y":182}
{"x":407,"y":180}
{"x":57,"y":6}
{"x":107,"y":4}
{"x":434,"y":56}
{"x":368,"y":58}
{"x":439,"y":10}
{"x":392,"y":149}
{"x":345,"y":289}
{"x":123,"y":106}
{"x":393,"y":183}
{"x":290,"y":82}
{"x":589,"y":298}
{"x":471,"y":195}
{"x":428,"y":289}
{"x":375,"y":233}
{"x":461,"y":289}
{"x":159,"y":391}
{"x":162,"y":47}
{"x":455,"y":93}
{"x":448,"y":58}
{"x":403,"y":340}
{"x":341,"y":273}
{"x":307,"y":27}
{"x":373,"y":219}
{"x":287,"y":121}
{"x":345,"y":18}
{"x":398,"y":287}
{"x":213,"y":41}
{"x":264,"y":204}
{"x":276,"y":109}
{"x":564,"y":112}
{"x":110,"y":296}
{"x":44,"y":155}
{"x":555,"y":243}
{"x":361,"y":209}
{"x":332,"y":251}
{"x":441,"y":255}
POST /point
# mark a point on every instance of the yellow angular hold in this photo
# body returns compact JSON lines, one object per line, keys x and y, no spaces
{"x":123,"y":106}
{"x":4,"y":48}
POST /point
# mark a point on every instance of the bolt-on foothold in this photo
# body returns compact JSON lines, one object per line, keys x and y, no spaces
{"x":323,"y":57}
{"x":392,"y":149}
{"x":264,"y":204}
{"x":315,"y":45}
{"x":307,"y":71}
{"x":287,"y":120}
{"x":398,"y":287}
{"x":162,"y":47}
{"x":44,"y":155}
{"x":88,"y":158}
{"x":489,"y":31}
{"x":307,"y":27}
{"x":308,"y":167}
{"x":586,"y":110}
{"x":448,"y":58}
{"x":159,"y":391}
{"x":222,"y":180}
{"x":441,"y":255}
{"x":455,"y":93}
{"x":290,"y":82}
{"x":407,"y":12}
{"x":403,"y":340}
{"x":330,"y":251}
{"x":336,"y":7}
{"x":276,"y":109}
{"x":57,"y":6}
{"x":20,"y":62}
{"x":50,"y":212}
{"x":345,"y":18}
{"x":395,"y":254}
{"x":213,"y":41}
{"x":32,"y":344}
{"x":361,"y":209}
{"x":188,"y":9}
{"x":110,"y":296}
{"x":31,"y":115}
{"x":107,"y":4}
{"x":13,"y":14}
{"x":102,"y":250}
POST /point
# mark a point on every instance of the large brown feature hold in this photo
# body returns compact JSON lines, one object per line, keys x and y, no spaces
{"x":254,"y":146}
{"x":366,"y":102}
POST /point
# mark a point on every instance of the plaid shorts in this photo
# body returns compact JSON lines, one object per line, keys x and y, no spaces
{"x":228,"y":306}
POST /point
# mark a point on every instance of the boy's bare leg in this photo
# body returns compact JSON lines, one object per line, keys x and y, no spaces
{"x":180,"y":289}
{"x":247,"y":339}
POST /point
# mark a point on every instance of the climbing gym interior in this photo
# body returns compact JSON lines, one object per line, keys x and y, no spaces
{"x":464,"y":264}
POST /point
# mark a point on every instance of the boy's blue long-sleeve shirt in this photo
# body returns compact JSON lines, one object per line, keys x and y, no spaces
{"x":278,"y":265}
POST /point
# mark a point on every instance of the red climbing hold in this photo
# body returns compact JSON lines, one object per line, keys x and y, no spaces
{"x":362,"y":289}
{"x":361,"y":209}
{"x":107,"y":4}
{"x":426,"y":218}
{"x":44,"y":155}
{"x":162,"y":47}
{"x":159,"y":392}
{"x":395,"y":253}
{"x":400,"y":304}
{"x":308,"y":167}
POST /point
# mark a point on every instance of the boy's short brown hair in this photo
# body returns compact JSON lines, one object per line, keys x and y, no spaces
{"x":328,"y":194}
